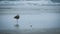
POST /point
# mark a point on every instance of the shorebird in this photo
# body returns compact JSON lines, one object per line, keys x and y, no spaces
{"x":17,"y":17}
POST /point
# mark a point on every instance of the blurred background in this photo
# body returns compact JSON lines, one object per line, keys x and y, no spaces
{"x":36,"y":16}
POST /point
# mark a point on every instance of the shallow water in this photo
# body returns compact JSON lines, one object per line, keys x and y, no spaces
{"x":39,"y":14}
{"x":33,"y":31}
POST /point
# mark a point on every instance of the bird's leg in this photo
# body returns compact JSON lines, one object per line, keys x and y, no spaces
{"x":17,"y":21}
{"x":17,"y":25}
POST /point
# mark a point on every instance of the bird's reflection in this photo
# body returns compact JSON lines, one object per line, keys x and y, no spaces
{"x":31,"y":26}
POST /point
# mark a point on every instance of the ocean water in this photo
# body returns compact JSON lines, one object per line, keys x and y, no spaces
{"x":44,"y":16}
